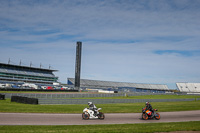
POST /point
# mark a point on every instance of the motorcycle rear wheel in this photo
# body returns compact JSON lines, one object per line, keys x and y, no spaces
{"x":85,"y":116}
{"x":101,"y":116}
{"x":144,"y":116}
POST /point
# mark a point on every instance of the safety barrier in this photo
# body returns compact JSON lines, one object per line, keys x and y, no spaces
{"x":76,"y":95}
{"x":72,"y":98}
{"x":106,"y":101}
{"x":67,"y":95}
{"x":2,"y":97}
{"x":26,"y":100}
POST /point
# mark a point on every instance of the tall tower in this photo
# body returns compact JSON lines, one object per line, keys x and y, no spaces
{"x":78,"y":65}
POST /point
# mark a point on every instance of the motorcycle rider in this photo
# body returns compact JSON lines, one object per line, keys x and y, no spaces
{"x":149,"y":107}
{"x":92,"y":107}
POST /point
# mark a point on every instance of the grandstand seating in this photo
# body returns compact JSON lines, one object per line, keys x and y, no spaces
{"x":188,"y":87}
{"x":119,"y":85}
{"x":23,"y":73}
{"x":44,"y":74}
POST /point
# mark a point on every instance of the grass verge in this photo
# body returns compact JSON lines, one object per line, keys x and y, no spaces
{"x":8,"y":106}
{"x":122,"y":128}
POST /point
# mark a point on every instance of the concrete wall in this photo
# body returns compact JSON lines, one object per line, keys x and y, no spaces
{"x":76,"y":95}
{"x":106,"y":101}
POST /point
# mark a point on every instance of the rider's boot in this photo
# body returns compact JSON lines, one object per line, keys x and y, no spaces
{"x":95,"y":113}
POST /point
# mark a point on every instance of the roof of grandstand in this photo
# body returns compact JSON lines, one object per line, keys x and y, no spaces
{"x":188,"y":87}
{"x":97,"y":83}
{"x":25,"y":70}
{"x":25,"y":67}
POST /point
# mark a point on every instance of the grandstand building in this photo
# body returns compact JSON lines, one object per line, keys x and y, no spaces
{"x":120,"y":86}
{"x":19,"y":74}
{"x":188,"y":87}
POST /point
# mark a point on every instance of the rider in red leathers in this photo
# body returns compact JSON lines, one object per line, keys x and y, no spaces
{"x":149,"y":107}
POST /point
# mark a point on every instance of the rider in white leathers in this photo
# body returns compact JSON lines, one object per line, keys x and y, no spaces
{"x":92,"y":107}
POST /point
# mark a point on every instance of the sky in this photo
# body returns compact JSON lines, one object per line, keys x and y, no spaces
{"x":136,"y":41}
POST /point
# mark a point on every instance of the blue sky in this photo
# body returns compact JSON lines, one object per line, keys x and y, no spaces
{"x":138,"y":41}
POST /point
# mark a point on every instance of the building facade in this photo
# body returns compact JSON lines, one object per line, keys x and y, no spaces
{"x":121,"y":86}
{"x":25,"y":74}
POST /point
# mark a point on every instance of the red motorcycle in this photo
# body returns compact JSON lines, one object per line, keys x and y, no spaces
{"x":147,"y":114}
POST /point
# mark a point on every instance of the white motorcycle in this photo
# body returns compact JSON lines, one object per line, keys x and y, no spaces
{"x":89,"y":114}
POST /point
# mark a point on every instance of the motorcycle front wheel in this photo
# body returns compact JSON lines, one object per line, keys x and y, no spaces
{"x":85,"y":116}
{"x":101,"y":116}
{"x":157,"y":116}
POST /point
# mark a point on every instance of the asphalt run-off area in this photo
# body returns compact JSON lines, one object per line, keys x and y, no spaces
{"x":76,"y":119}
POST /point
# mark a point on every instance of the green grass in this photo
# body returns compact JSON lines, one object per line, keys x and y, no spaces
{"x":112,"y":128}
{"x":8,"y":106}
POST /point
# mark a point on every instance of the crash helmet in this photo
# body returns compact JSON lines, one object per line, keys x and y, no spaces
{"x":89,"y":103}
{"x":147,"y":103}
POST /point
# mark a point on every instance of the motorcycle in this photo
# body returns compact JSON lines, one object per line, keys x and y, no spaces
{"x":89,"y":114}
{"x":147,"y":114}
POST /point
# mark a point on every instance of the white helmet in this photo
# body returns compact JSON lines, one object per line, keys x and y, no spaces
{"x":89,"y":103}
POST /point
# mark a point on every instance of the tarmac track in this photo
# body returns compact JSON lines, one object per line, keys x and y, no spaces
{"x":76,"y":119}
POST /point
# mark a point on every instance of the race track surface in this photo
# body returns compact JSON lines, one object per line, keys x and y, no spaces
{"x":76,"y":119}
